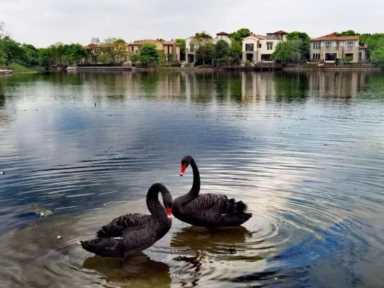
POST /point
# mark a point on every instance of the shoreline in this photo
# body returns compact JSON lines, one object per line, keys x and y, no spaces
{"x":206,"y":69}
{"x":210,"y":69}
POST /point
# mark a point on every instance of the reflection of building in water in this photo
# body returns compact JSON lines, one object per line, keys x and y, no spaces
{"x":212,"y":87}
{"x":169,"y":85}
{"x":199,"y":87}
{"x":257,"y":87}
{"x":336,"y":84}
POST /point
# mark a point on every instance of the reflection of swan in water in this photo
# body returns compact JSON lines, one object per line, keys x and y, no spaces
{"x":137,"y":271}
{"x":202,"y":250}
{"x":220,"y":241}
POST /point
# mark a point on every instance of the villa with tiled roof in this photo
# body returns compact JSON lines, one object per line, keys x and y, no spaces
{"x":259,"y":48}
{"x":333,"y":48}
{"x":169,"y":49}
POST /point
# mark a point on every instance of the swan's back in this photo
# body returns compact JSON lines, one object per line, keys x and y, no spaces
{"x":122,"y":241}
{"x":213,"y":210}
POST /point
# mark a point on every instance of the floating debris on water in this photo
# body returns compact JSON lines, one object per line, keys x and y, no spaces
{"x":59,"y":237}
{"x":41,"y":211}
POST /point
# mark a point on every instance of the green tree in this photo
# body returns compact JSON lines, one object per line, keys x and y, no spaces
{"x":236,"y":52}
{"x":30,"y":55}
{"x":11,"y":51}
{"x":202,"y":36}
{"x":288,"y":52}
{"x":236,"y":44}
{"x":303,"y":41}
{"x":377,"y":56}
{"x":181,"y":44}
{"x":205,"y":54}
{"x":2,"y":57}
{"x":240,"y":34}
{"x":222,"y":53}
{"x":74,"y":54}
{"x":147,"y":56}
{"x":348,"y":33}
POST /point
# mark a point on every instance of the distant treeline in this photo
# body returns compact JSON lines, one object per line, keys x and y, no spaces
{"x":114,"y":51}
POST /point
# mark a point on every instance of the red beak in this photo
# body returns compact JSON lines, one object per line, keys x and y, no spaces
{"x":169,"y":212}
{"x":182,"y":169}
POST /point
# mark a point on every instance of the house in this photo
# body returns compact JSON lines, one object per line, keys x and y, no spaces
{"x":259,"y":48}
{"x":222,"y":36}
{"x":334,"y":48}
{"x":169,"y":49}
{"x":193,"y":43}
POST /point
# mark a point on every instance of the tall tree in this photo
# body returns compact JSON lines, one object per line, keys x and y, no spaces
{"x":181,"y":44}
{"x":222,"y":53}
{"x":11,"y":51}
{"x":205,"y":54}
{"x":236,"y":44}
{"x":303,"y":41}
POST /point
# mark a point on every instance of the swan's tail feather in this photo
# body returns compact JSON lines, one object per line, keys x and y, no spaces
{"x":235,"y":207}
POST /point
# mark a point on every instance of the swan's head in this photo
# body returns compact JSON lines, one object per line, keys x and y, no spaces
{"x":185,"y":162}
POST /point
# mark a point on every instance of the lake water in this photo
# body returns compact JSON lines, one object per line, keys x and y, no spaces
{"x":304,"y":151}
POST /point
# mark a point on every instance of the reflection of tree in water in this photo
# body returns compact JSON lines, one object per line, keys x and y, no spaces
{"x":228,"y":87}
{"x":2,"y":97}
{"x":291,"y":87}
{"x":149,"y":82}
{"x":372,"y":86}
{"x":3,"y":116}
{"x":138,"y":271}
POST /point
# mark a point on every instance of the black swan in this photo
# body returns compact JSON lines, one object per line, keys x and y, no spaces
{"x":207,"y":210}
{"x":130,"y":234}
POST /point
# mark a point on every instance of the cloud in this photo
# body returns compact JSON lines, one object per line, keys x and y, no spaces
{"x":43,"y":22}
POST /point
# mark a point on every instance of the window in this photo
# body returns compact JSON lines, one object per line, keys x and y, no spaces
{"x":328,"y":44}
{"x":259,"y":45}
{"x":350,"y":44}
{"x":249,"y":47}
{"x":316,"y":45}
{"x":269,"y":45}
{"x":192,"y":47}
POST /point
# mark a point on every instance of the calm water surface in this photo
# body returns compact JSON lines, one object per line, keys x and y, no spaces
{"x":305,"y":151}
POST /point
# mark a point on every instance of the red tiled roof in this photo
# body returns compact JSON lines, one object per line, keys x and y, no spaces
{"x":222,"y":34}
{"x":336,"y":37}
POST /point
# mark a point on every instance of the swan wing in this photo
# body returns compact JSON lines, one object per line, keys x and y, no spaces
{"x":206,"y":202}
{"x":121,"y":224}
{"x":217,"y":210}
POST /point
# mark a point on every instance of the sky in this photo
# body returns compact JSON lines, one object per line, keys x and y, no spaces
{"x":45,"y":22}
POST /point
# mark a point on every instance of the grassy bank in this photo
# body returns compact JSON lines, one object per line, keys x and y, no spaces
{"x":21,"y":69}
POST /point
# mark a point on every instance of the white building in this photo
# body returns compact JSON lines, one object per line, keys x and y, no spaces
{"x":259,"y":48}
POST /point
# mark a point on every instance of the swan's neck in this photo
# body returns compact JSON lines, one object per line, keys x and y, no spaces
{"x":153,"y":204}
{"x":194,"y":192}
